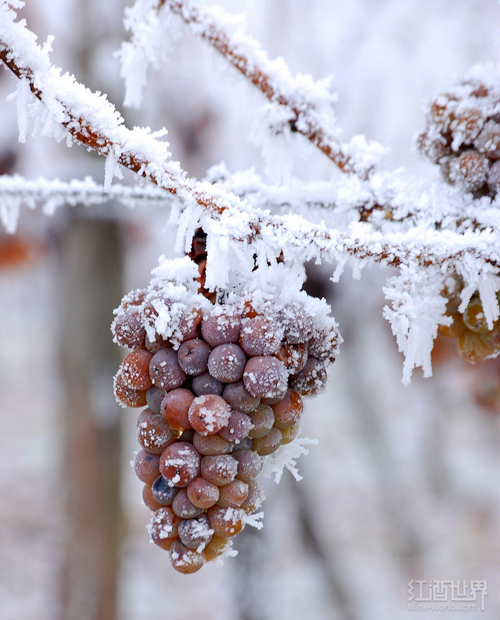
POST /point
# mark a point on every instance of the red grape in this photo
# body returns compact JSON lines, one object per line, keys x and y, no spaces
{"x":249,"y":464}
{"x":255,"y":497}
{"x":211,"y":445}
{"x":128,"y":328}
{"x":184,"y":560}
{"x":238,"y":427}
{"x":165,"y":370}
{"x":152,"y":432}
{"x":209,"y":414}
{"x":232,"y":495}
{"x":215,"y":548}
{"x":175,"y":407}
{"x":154,"y":396}
{"x":127,"y":396}
{"x":135,"y":370}
{"x":294,"y":356}
{"x":311,"y":379}
{"x":263,"y":421}
{"x":195,"y":533}
{"x":162,"y":492}
{"x":237,"y":396}
{"x":163,"y":525}
{"x":269,"y":443}
{"x":180,"y":463}
{"x":289,"y":410}
{"x":183,"y":507}
{"x":265,"y":377}
{"x":219,"y":470}
{"x":260,"y":336}
{"x":226,"y":363}
{"x":290,"y":433}
{"x":221,"y":327}
{"x":202,"y":493}
{"x":225,"y":522}
{"x":146,"y":466}
{"x":190,"y":325}
{"x":148,"y":498}
{"x":193,"y":356}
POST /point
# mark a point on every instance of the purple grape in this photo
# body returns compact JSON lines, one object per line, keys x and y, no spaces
{"x":211,"y":445}
{"x":183,"y":508}
{"x":190,"y":326}
{"x":162,"y":492}
{"x":311,"y":379}
{"x":193,"y":356}
{"x":219,"y":470}
{"x":206,"y":384}
{"x":238,"y":427}
{"x":249,"y":464}
{"x":260,"y":336}
{"x":184,"y":560}
{"x":265,"y":377}
{"x":165,"y":371}
{"x":238,"y":398}
{"x":227,"y":362}
{"x":221,"y":327}
{"x":195,"y":533}
{"x":297,"y":323}
{"x":154,"y":396}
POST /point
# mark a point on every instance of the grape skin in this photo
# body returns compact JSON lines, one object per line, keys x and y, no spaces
{"x":206,"y":384}
{"x":249,"y":464}
{"x":209,"y":414}
{"x":195,"y":533}
{"x":226,"y":363}
{"x":289,"y":410}
{"x":162,"y":492}
{"x":185,"y":560}
{"x":148,"y":498}
{"x":165,"y":371}
{"x":311,"y":379}
{"x":193,"y":357}
{"x":183,"y":507}
{"x":225,"y":522}
{"x":146,"y":466}
{"x":255,"y":497}
{"x":163,"y":525}
{"x":180,"y":464}
{"x":238,"y":427}
{"x":260,"y":336}
{"x":154,"y":396}
{"x":175,"y":407}
{"x":232,"y":495}
{"x":216,"y":547}
{"x":294,"y":356}
{"x":239,"y":398}
{"x":211,"y":445}
{"x":190,"y":326}
{"x":128,"y":328}
{"x":219,"y":470}
{"x":152,"y":432}
{"x":202,"y":493}
{"x":135,"y":370}
{"x":221,"y":328}
{"x":265,"y":377}
{"x":263,"y":421}
{"x":127,"y":396}
{"x":289,"y":434}
{"x":269,"y":443}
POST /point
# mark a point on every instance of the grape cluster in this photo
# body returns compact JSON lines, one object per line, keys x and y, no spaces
{"x":223,"y":387}
{"x":462,"y":135}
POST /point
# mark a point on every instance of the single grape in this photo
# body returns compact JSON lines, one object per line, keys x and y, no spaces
{"x":268,"y":444}
{"x":238,"y":427}
{"x":193,"y":356}
{"x":211,"y":445}
{"x":289,"y":410}
{"x":260,"y":336}
{"x":249,"y":464}
{"x":488,"y":141}
{"x":162,"y":492}
{"x":265,"y":377}
{"x":183,"y":507}
{"x":474,"y":317}
{"x":135,"y":370}
{"x":216,"y":547}
{"x":175,"y":407}
{"x":263,"y":421}
{"x":294,"y":356}
{"x":206,"y":384}
{"x":190,"y":326}
{"x":209,"y":414}
{"x":165,"y":370}
{"x":290,"y":433}
{"x":255,"y":497}
{"x":195,"y":533}
{"x":471,"y":170}
{"x":311,"y":379}
{"x":184,"y":560}
{"x":152,"y":432}
{"x":226,"y":363}
{"x":238,"y":398}
{"x":323,"y":345}
{"x":202,"y":493}
{"x":128,"y":329}
{"x":225,"y":522}
{"x":221,"y":326}
{"x":219,"y":470}
{"x":180,"y":463}
{"x":134,"y":298}
{"x":163,"y":525}
{"x":232,"y":495}
{"x":297,"y":323}
{"x":154,"y":396}
{"x":146,"y":466}
{"x":148,"y":498}
{"x":125,"y":395}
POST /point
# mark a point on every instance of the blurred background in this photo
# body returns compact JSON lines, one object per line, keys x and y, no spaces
{"x":404,"y":482}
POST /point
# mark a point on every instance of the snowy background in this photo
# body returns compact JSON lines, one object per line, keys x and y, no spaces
{"x":404,"y":482}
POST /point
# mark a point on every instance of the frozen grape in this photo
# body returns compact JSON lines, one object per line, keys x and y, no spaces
{"x":148,"y":498}
{"x":128,"y":328}
{"x":294,"y":356}
{"x":184,"y":560}
{"x":323,"y":345}
{"x":202,"y":493}
{"x":249,"y":464}
{"x":190,"y":326}
{"x":209,"y":414}
{"x":127,"y":396}
{"x":225,"y":522}
{"x":165,"y":370}
{"x":154,"y":396}
{"x":146,"y":466}
{"x":471,"y":170}
{"x":193,"y":357}
{"x":232,"y":495}
{"x":183,"y":507}
{"x":219,"y":470}
{"x":221,"y":327}
{"x":311,"y":379}
{"x":206,"y":384}
{"x":175,"y":407}
{"x":152,"y":432}
{"x":180,"y":463}
{"x":163,"y":493}
{"x":238,"y":398}
{"x":227,"y":362}
{"x":260,"y":336}
{"x":488,"y":141}
{"x":472,"y":347}
{"x":263,"y":421}
{"x":297,"y":323}
{"x":265,"y":377}
{"x":163,"y":525}
{"x":474,"y":316}
{"x":255,"y":497}
{"x":269,"y":443}
{"x":238,"y":427}
{"x":494,"y":177}
{"x":289,"y":410}
{"x":135,"y":370}
{"x":211,"y":445}
{"x":195,"y":533}
{"x":290,"y":433}
{"x":216,"y":547}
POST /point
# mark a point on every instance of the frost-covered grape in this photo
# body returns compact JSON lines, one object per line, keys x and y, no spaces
{"x":206,"y":384}
{"x":195,"y":533}
{"x":220,"y":327}
{"x":265,"y":377}
{"x":175,"y":407}
{"x":494,"y":177}
{"x":260,"y":336}
{"x":148,"y":498}
{"x":297,"y":323}
{"x":239,"y":398}
{"x":472,"y":347}
{"x":152,"y":432}
{"x":323,"y":346}
{"x":471,"y":170}
{"x":162,"y":492}
{"x":211,"y":445}
{"x":127,"y":396}
{"x":263,"y":421}
{"x":232,"y":495}
{"x":225,"y":522}
{"x":180,"y":463}
{"x":311,"y":379}
{"x":216,"y":547}
{"x":156,"y":344}
{"x":290,"y":433}
{"x":135,"y":370}
{"x":146,"y":466}
{"x":128,"y":328}
{"x":273,"y":401}
{"x":163,"y":525}
{"x":255,"y":497}
{"x":209,"y":414}
{"x":165,"y":370}
{"x":238,"y":427}
{"x":219,"y":470}
{"x":227,"y":362}
{"x":249,"y":464}
{"x":184,"y":560}
{"x":190,"y":325}
{"x":474,"y":316}
{"x":294,"y":356}
{"x":289,"y":410}
{"x":488,"y":141}
{"x":269,"y":443}
{"x":202,"y":493}
{"x":183,"y":507}
{"x":193,"y":356}
{"x":154,"y":396}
